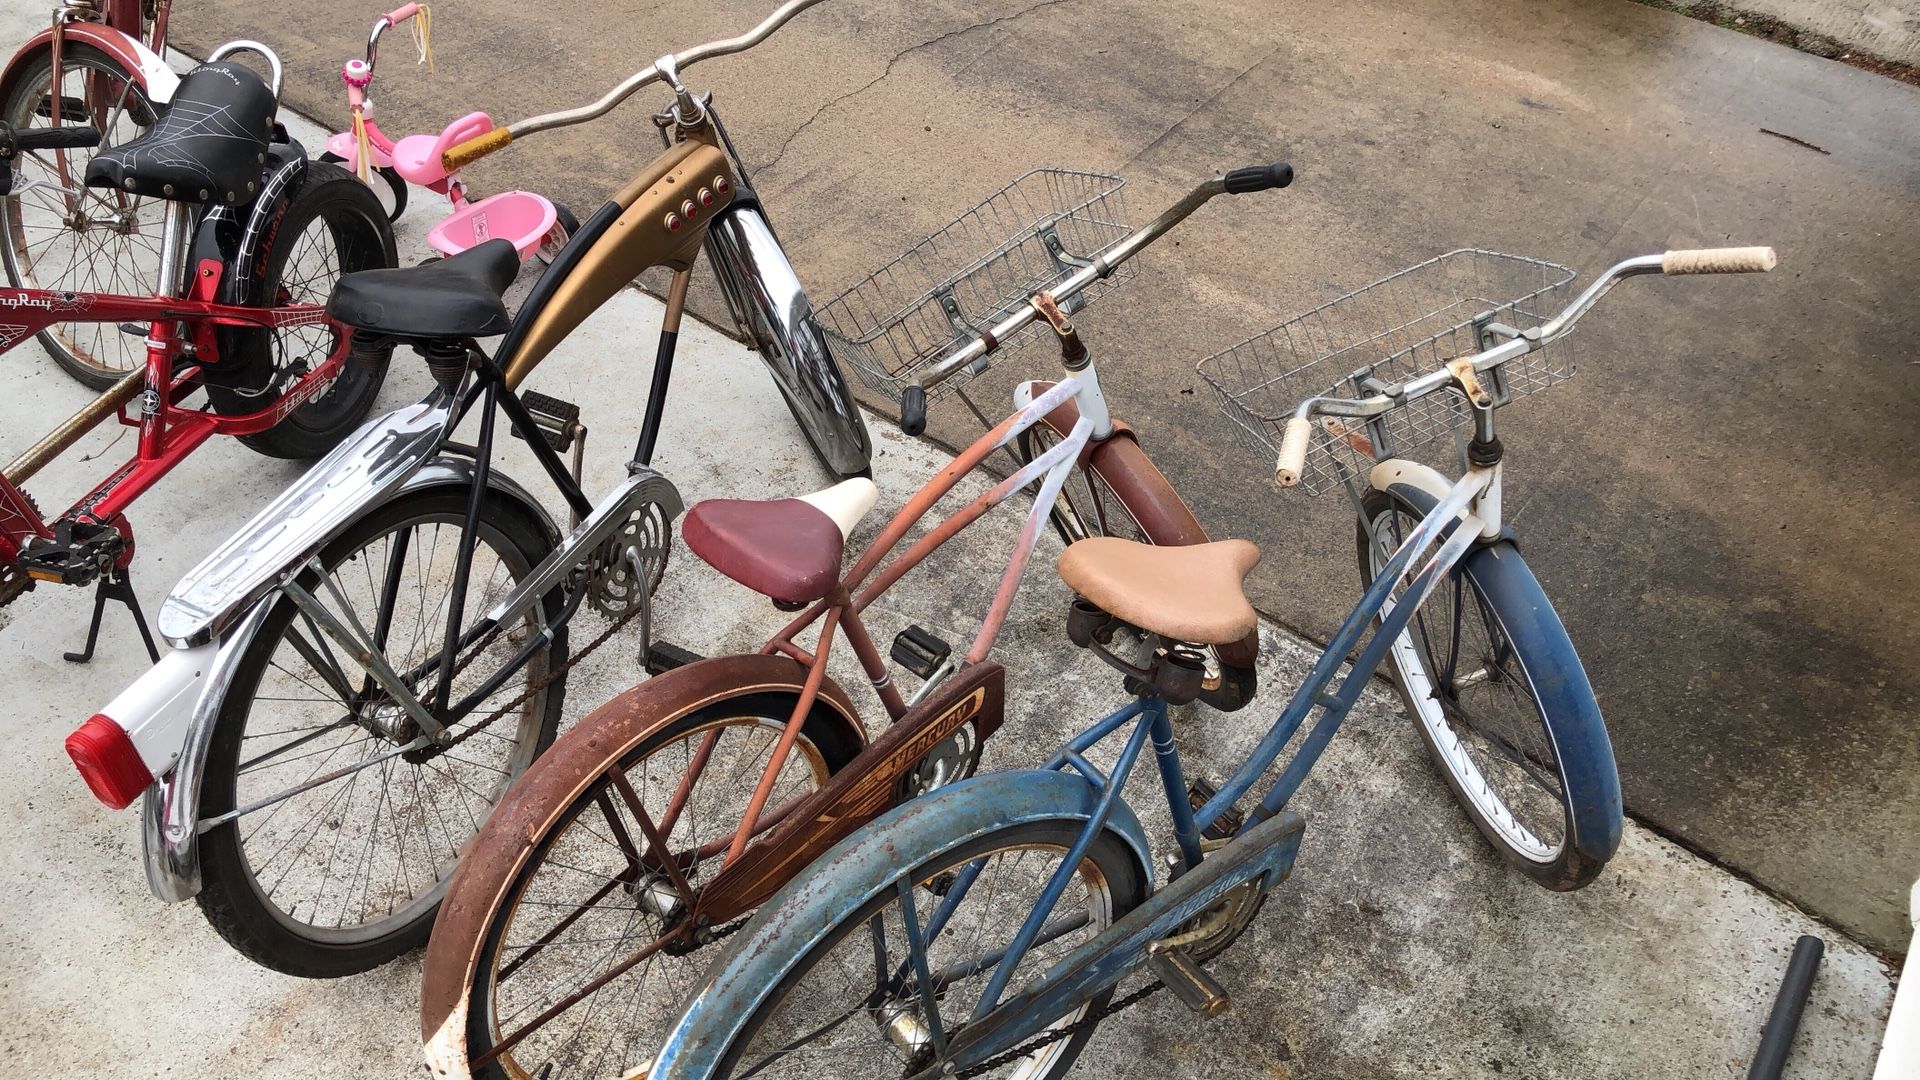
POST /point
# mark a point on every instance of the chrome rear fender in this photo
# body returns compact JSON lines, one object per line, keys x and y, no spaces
{"x":172,"y":804}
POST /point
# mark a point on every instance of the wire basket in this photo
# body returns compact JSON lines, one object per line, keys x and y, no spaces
{"x":973,"y":273}
{"x":1417,"y":319}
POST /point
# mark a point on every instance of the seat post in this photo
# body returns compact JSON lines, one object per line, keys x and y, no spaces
{"x":175,"y":229}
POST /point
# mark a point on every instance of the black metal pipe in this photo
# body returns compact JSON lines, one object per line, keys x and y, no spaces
{"x":1776,"y":1039}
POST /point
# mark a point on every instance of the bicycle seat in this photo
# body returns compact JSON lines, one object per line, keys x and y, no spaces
{"x":786,"y":549}
{"x":207,"y":147}
{"x":454,"y":297}
{"x":1192,"y":593}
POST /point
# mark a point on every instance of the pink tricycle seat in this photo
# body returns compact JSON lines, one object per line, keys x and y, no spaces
{"x":519,"y":216}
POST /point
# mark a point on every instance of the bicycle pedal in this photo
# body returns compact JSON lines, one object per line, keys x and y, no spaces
{"x":1229,"y":821}
{"x":77,"y":554}
{"x":919,"y":651}
{"x":664,"y":656}
{"x":557,"y":420}
{"x":1189,"y":982}
{"x":69,"y":106}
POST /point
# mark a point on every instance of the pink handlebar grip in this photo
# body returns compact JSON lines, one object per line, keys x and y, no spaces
{"x":402,"y":14}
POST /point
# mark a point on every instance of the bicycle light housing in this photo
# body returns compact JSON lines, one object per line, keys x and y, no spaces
{"x":123,"y":748}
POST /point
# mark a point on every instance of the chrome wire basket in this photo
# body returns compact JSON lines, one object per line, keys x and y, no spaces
{"x":1398,"y":327}
{"x":973,"y":273}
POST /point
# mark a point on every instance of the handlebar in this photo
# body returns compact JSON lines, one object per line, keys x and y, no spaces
{"x":913,"y":400}
{"x":667,"y":68}
{"x":1292,"y":460}
{"x":66,"y":137}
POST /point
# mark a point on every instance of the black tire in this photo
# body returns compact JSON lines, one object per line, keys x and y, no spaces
{"x":1517,"y":765}
{"x":1089,"y":506}
{"x":334,"y":225}
{"x":240,"y":907}
{"x":1115,"y":862}
{"x":826,"y":743}
{"x":396,"y":200}
{"x":39,"y":244}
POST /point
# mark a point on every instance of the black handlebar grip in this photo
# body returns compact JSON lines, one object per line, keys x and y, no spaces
{"x":1259,"y":178}
{"x":913,"y":410}
{"x":73,"y":137}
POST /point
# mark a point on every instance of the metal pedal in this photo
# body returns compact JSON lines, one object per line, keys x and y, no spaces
{"x":77,"y":554}
{"x":558,"y":421}
{"x":664,"y":656}
{"x":1228,"y":823}
{"x":1189,"y":982}
{"x":919,"y":651}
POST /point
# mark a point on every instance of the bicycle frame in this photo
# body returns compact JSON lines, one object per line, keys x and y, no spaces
{"x":168,"y":432}
{"x":997,"y":1024}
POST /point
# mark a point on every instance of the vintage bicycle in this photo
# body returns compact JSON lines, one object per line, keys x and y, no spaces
{"x":99,"y":64}
{"x":360,"y":671}
{"x":236,"y":340}
{"x":985,"y":927}
{"x":535,"y":224}
{"x":588,"y":904}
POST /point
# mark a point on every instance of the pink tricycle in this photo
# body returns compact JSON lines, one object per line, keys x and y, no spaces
{"x":535,"y":224}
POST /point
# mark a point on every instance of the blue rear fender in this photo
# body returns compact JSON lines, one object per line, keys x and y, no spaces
{"x":850,"y":875}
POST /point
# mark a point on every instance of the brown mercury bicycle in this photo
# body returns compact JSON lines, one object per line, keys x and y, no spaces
{"x":582,"y":914}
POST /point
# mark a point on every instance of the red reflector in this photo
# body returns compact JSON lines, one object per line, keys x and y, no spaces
{"x":108,"y":762}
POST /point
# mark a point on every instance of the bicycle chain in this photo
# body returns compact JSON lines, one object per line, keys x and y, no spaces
{"x":1085,"y":1023}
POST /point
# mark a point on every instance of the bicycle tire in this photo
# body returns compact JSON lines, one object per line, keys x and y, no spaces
{"x":97,"y":355}
{"x":242,"y":908}
{"x":826,"y":744}
{"x":396,"y":186}
{"x":790,"y":923}
{"x":1519,"y":625}
{"x":256,"y":365}
{"x":1120,"y":471}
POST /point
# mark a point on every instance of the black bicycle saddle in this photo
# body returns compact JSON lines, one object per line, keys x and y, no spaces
{"x":207,"y":147}
{"x":455,"y":297}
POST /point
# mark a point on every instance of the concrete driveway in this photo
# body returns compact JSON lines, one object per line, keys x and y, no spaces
{"x":1721,"y":504}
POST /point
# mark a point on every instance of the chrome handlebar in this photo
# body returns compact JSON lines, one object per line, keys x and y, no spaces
{"x":1239,"y":181}
{"x":667,"y":67}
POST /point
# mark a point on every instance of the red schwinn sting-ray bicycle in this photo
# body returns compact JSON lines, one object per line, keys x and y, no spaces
{"x":253,"y":239}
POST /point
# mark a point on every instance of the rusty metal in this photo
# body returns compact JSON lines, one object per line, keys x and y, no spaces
{"x":784,"y":748}
{"x":867,"y":786}
{"x":533,"y":807}
{"x":89,"y":417}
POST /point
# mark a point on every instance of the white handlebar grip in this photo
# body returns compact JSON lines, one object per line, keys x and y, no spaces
{"x":1293,"y":452}
{"x":1738,"y":260}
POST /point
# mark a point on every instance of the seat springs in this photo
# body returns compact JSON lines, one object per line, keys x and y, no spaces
{"x":1178,"y":671}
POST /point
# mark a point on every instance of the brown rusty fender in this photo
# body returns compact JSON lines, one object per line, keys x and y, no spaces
{"x":576,"y":760}
{"x":1164,"y":515}
{"x":867,"y":787}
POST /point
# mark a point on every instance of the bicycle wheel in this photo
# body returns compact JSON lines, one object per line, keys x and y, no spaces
{"x":852,"y":1005}
{"x":1089,"y":505}
{"x":346,"y":875}
{"x":95,"y":240}
{"x":332,"y":227}
{"x":584,"y":900}
{"x":1532,"y":767}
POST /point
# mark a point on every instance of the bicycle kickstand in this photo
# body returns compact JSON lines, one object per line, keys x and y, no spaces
{"x":116,"y":585}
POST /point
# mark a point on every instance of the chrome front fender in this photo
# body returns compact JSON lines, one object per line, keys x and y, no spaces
{"x":171,"y":807}
{"x":770,"y":305}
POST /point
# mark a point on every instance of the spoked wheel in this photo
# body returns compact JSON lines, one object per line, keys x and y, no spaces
{"x":88,"y":239}
{"x":332,"y":227}
{"x":348,"y":835}
{"x":856,"y":1004}
{"x":1089,"y":506}
{"x":1471,"y":683}
{"x":545,"y":1001}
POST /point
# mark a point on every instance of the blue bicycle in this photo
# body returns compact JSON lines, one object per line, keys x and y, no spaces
{"x":983,"y":928}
